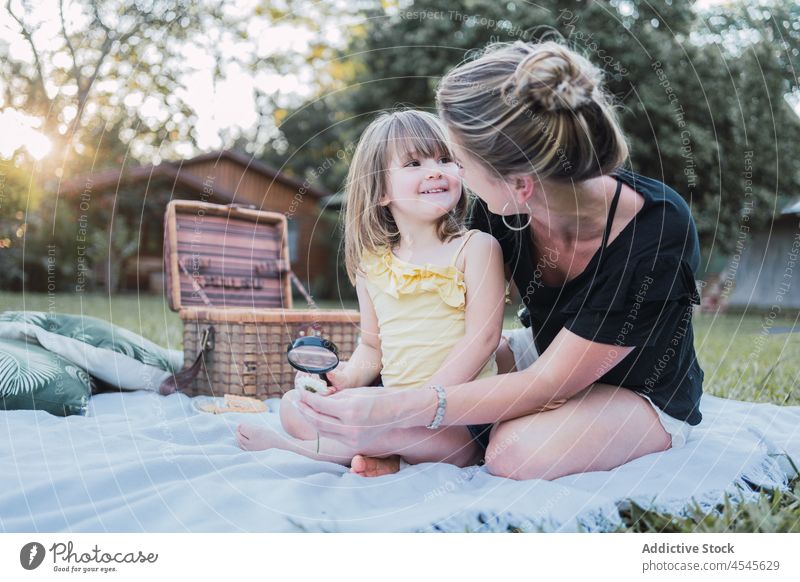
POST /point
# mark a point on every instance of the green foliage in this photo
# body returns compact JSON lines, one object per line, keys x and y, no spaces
{"x":697,"y":91}
{"x":773,"y":512}
{"x":75,"y":242}
{"x":746,"y":358}
{"x":18,"y":224}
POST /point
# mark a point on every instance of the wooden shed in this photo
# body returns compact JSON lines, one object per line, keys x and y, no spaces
{"x":140,"y":194}
{"x":764,"y":271}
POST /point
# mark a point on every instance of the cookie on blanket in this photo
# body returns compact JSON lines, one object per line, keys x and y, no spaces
{"x":236,"y":403}
{"x":233,"y":403}
{"x":311,"y":384}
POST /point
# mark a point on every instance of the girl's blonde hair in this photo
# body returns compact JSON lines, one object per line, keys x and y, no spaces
{"x":370,"y":227}
{"x":523,"y":108}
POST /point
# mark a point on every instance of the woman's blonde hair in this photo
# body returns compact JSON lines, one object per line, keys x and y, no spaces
{"x":370,"y":227}
{"x":523,"y":108}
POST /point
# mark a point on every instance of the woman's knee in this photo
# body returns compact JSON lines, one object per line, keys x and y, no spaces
{"x":516,"y":462}
{"x":597,"y":430}
{"x":291,"y":419}
{"x":505,"y":453}
{"x":521,"y":449}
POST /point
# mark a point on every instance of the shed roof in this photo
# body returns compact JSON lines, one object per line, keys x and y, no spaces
{"x":117,"y":177}
{"x":172,"y":170}
{"x":792,"y":208}
{"x":250,"y":163}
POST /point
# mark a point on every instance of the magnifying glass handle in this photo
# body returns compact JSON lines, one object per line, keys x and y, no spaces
{"x":325,"y":377}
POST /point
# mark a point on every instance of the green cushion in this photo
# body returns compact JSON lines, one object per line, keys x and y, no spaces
{"x":32,"y":378}
{"x":109,"y":353}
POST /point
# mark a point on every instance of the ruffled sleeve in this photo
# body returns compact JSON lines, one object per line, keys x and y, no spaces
{"x":396,"y":278}
{"x":627,"y":305}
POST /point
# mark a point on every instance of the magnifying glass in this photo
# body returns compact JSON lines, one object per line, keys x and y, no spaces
{"x":314,"y":355}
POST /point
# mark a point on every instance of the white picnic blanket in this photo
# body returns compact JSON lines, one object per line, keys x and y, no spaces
{"x":140,"y":462}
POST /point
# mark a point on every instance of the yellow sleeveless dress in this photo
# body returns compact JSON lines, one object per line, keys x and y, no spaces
{"x":421,"y":316}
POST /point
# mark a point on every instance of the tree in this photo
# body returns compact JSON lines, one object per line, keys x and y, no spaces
{"x":107,"y":81}
{"x":697,"y":91}
{"x":119,"y":66}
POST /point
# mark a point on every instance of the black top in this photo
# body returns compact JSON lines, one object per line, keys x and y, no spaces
{"x":636,"y":291}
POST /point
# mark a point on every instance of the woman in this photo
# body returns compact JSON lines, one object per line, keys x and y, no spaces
{"x":603,"y":258}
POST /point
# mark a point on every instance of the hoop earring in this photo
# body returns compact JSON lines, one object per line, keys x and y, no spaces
{"x":514,"y":228}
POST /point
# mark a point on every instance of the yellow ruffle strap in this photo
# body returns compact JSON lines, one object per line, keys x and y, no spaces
{"x":396,"y":277}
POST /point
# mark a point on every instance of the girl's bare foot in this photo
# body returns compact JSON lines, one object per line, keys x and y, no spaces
{"x":373,"y":466}
{"x":257,"y":438}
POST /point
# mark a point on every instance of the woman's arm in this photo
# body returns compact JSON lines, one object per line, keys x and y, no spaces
{"x":483,"y":278}
{"x":570,"y":364}
{"x":365,"y":364}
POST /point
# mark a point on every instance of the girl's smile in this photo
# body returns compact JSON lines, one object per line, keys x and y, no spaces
{"x":436,"y":189}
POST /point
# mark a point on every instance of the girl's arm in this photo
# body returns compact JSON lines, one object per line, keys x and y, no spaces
{"x":365,"y":364}
{"x":483,"y":277}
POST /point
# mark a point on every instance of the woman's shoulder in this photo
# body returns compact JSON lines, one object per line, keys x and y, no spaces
{"x":660,"y":198}
{"x":665,"y":224}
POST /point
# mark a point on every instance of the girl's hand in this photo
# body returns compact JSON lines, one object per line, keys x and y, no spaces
{"x":337,"y":377}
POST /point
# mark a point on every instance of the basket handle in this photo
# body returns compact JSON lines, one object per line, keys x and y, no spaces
{"x":299,"y":286}
{"x":195,"y":285}
{"x":279,"y":266}
{"x":180,"y":381}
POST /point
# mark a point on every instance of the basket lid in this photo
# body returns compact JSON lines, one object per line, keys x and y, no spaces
{"x":219,"y":256}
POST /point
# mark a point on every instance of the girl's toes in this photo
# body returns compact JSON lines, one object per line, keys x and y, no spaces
{"x":385,"y":466}
{"x":375,"y":467}
{"x":358,"y":465}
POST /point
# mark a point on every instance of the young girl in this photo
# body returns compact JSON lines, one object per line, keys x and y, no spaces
{"x":431,"y":294}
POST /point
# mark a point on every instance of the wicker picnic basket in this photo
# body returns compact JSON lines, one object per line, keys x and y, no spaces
{"x":228,"y":277}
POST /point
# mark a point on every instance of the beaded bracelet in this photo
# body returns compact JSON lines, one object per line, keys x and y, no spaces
{"x":437,"y":420}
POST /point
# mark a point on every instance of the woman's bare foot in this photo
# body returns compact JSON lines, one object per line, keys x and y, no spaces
{"x":373,"y":466}
{"x":257,"y":438}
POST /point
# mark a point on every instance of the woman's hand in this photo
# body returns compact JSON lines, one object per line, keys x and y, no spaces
{"x":356,"y":417}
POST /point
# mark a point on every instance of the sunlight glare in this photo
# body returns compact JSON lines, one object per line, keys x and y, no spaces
{"x":18,"y":130}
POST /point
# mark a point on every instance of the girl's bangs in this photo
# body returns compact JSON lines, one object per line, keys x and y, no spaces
{"x":414,"y":137}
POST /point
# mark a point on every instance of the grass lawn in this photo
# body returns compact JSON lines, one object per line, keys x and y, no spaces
{"x":744,"y":357}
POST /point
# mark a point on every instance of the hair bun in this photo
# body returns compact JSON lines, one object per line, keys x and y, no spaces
{"x":554,"y":79}
{"x":533,"y":109}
